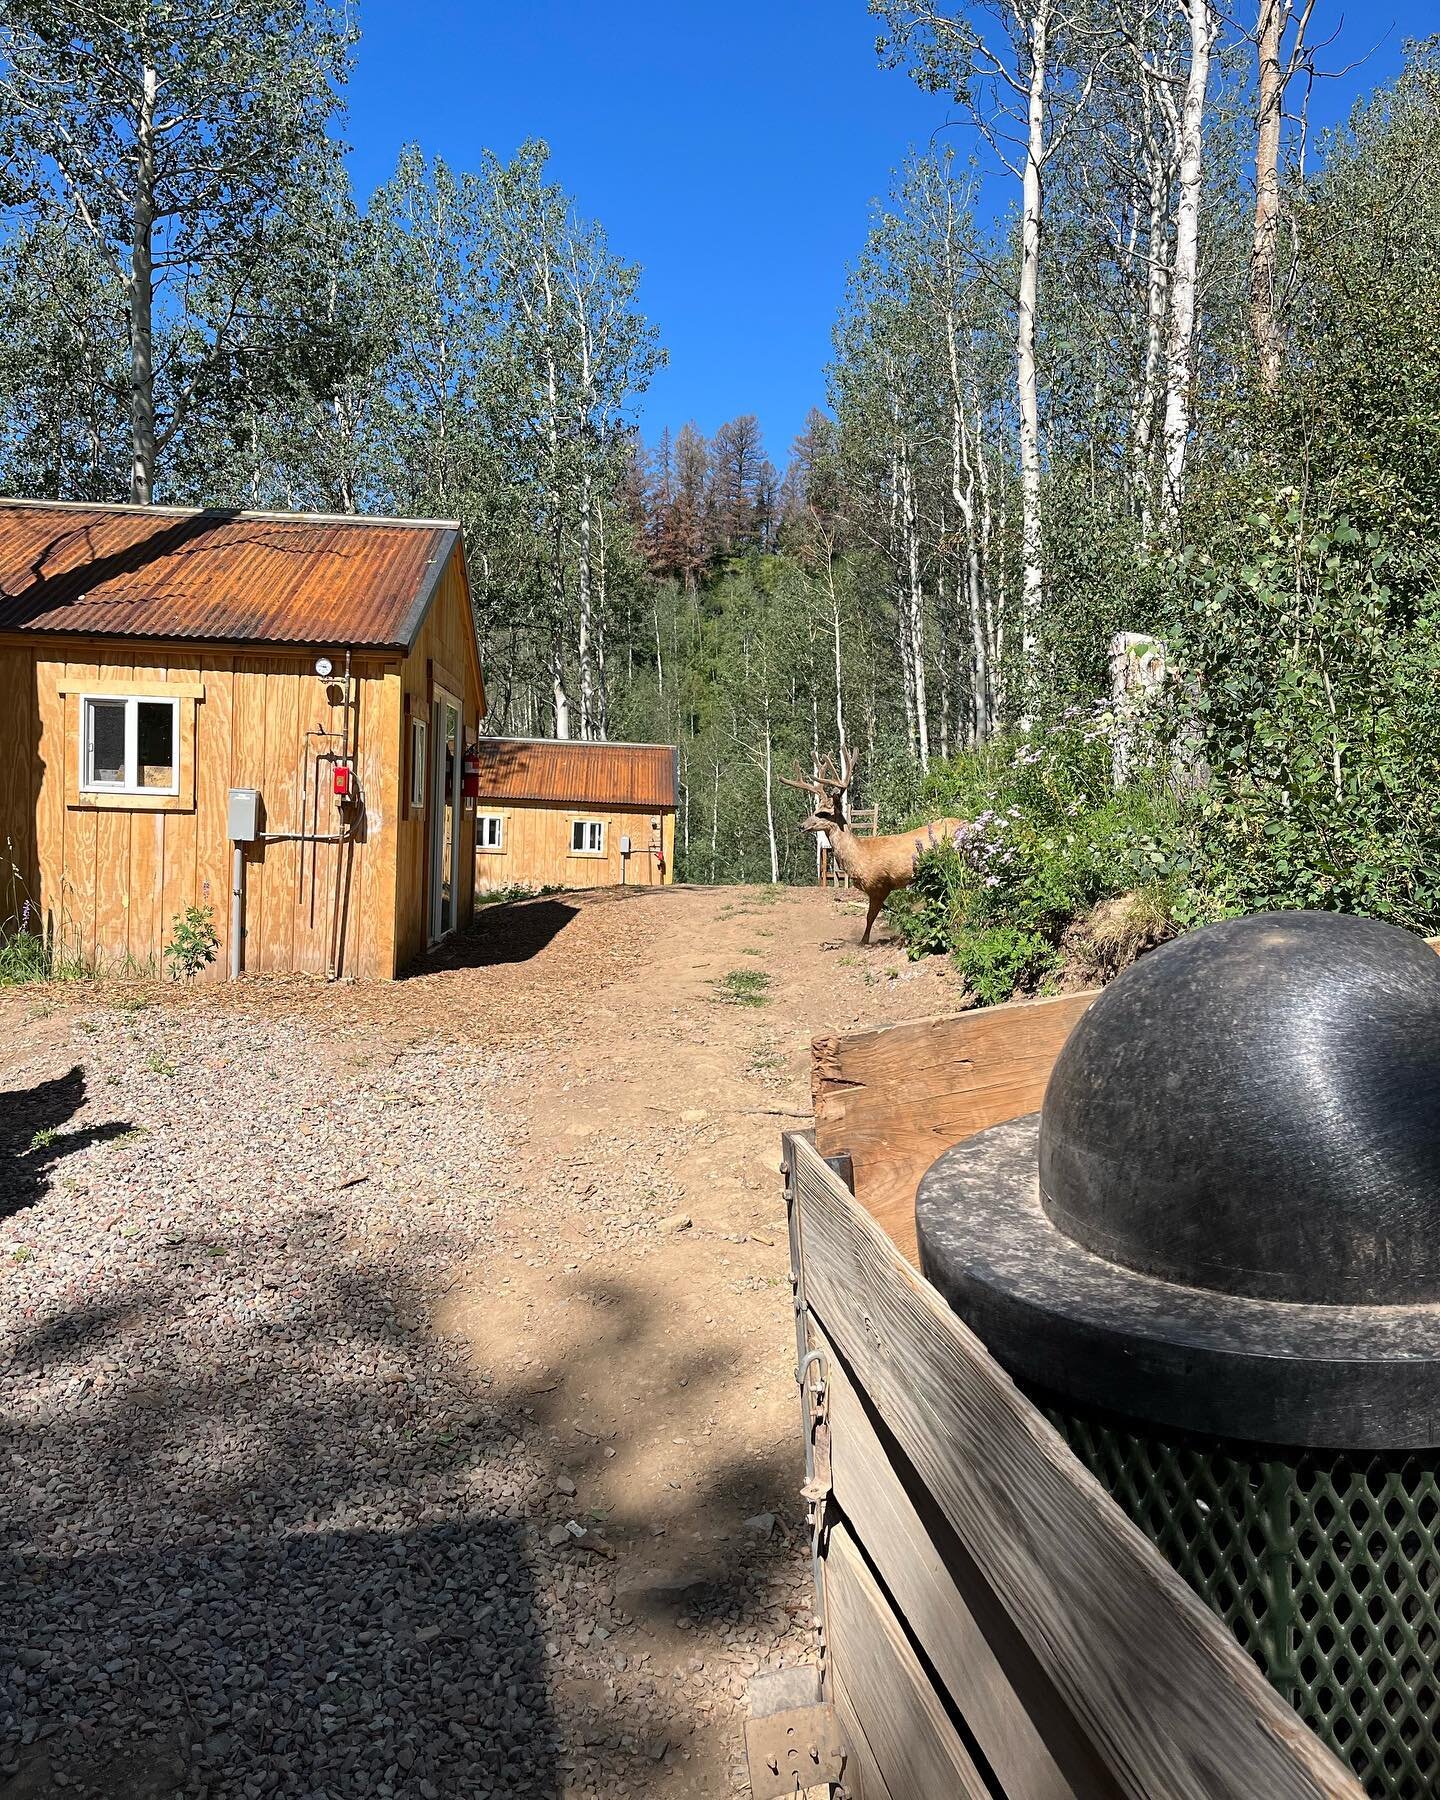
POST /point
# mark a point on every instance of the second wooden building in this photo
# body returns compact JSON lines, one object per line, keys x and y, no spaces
{"x":571,"y":814}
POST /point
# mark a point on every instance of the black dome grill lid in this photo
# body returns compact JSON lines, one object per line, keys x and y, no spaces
{"x":1227,"y":1215}
{"x":1255,"y":1108}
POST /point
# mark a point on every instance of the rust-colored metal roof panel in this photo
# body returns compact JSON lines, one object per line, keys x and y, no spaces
{"x":577,"y":774}
{"x":157,"y":572}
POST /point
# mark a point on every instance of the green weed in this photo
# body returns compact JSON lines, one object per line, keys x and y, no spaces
{"x":742,"y":987}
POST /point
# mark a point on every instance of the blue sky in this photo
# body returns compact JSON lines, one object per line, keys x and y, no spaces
{"x":731,"y":147}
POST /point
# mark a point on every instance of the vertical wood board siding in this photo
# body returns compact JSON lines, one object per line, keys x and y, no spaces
{"x":444,"y":644}
{"x":536,"y":849}
{"x":109,"y":882}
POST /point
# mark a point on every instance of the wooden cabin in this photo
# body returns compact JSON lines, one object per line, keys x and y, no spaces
{"x":173,"y":680}
{"x":572,"y":814}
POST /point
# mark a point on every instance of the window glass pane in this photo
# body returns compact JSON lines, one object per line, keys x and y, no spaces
{"x":154,"y":744}
{"x":106,"y":736}
{"x":577,"y":835}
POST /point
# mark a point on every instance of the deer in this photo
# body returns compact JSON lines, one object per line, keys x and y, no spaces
{"x":878,"y":865}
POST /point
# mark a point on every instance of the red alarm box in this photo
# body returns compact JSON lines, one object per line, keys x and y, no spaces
{"x":344,"y":781}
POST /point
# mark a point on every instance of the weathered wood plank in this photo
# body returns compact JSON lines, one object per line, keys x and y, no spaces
{"x":51,"y":777}
{"x":144,"y":928}
{"x":895,"y":1098}
{"x":1172,"y":1704}
{"x":368,"y":933}
{"x":1027,"y":1734}
{"x":213,"y":725}
{"x":19,"y":762}
{"x":863,"y":1780}
{"x":282,"y":787}
{"x":919,"y":1753}
{"x":247,"y":769}
{"x":179,"y":887}
{"x":80,"y":833}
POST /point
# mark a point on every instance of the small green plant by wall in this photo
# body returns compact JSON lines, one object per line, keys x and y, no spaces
{"x":193,"y":943}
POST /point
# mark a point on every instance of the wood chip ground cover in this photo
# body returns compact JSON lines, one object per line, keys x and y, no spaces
{"x":369,"y":1427}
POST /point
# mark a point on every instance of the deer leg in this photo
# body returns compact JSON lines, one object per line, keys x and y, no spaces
{"x":876,"y":902}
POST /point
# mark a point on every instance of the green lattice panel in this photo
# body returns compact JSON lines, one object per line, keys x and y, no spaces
{"x":1325,"y":1567}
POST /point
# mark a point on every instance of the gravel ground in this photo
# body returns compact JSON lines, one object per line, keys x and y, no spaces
{"x":262,"y":1536}
{"x":325,"y":1311}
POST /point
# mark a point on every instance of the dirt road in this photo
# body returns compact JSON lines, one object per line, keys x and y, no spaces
{"x":508,"y":1291}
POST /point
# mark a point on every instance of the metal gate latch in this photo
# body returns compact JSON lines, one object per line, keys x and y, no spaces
{"x":793,"y":1751}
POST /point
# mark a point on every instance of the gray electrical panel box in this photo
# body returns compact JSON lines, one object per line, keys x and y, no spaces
{"x":244,"y":815}
{"x":624,"y":846}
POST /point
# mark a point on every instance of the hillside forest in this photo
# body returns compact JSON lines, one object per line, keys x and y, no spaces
{"x":1185,"y":385}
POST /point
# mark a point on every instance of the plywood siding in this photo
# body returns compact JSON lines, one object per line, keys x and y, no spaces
{"x":110,"y":880}
{"x":536,"y":848}
{"x":443,"y":656}
{"x":19,"y":782}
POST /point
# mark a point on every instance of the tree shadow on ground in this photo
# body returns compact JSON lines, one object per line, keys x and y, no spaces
{"x":330,"y":1573}
{"x":32,"y":1141}
{"x":221,"y":1574}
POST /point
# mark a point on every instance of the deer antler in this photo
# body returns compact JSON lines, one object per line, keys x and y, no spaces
{"x":828,"y":782}
{"x":819,"y":786}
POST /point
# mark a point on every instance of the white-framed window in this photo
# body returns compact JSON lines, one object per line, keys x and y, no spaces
{"x":587,"y":837}
{"x":129,"y":745}
{"x":418,"y":765}
{"x":489,"y":831}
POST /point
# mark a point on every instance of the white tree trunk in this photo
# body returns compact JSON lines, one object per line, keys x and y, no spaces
{"x":140,"y":299}
{"x":836,"y":645}
{"x":1157,"y":275}
{"x":1179,"y":369}
{"x":902,"y":609}
{"x":584,"y":620}
{"x":602,"y":686}
{"x":914,"y":599}
{"x":988,"y":712}
{"x":555,"y":498}
{"x":584,"y":509}
{"x":1032,"y":587}
{"x":559,"y":696}
{"x":770,"y":798}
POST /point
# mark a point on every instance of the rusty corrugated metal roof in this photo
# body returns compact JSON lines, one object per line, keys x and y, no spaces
{"x":159,"y":572}
{"x":577,"y":774}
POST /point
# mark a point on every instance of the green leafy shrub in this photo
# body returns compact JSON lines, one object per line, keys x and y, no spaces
{"x":1046,"y":838}
{"x":1314,"y":646}
{"x":999,"y":961}
{"x":194,"y":942}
